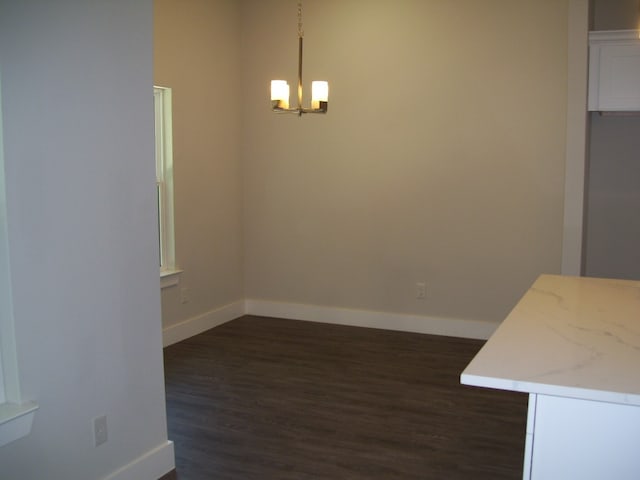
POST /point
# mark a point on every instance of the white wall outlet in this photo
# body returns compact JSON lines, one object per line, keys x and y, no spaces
{"x":421,"y":290}
{"x":100,"y":430}
{"x":184,"y":295}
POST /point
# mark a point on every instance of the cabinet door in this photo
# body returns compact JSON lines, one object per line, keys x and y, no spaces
{"x":585,"y":440}
{"x":614,"y":71}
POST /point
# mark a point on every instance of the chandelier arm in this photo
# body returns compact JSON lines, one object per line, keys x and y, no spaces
{"x":298,"y":111}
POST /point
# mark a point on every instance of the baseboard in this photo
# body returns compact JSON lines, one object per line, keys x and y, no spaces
{"x":193,"y":326}
{"x":362,"y":318}
{"x":452,"y":327}
{"x":150,"y":466}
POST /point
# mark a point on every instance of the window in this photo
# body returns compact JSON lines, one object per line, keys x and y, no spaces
{"x":16,"y":415}
{"x":164,"y":186}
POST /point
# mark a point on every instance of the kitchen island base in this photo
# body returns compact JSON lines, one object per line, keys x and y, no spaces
{"x":571,"y":438}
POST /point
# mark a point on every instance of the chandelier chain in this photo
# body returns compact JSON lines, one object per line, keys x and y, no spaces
{"x":300,"y":31}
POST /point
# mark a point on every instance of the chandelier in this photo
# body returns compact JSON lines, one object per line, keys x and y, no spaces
{"x":280,"y":88}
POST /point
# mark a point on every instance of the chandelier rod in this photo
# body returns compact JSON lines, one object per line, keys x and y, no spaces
{"x":300,"y":37}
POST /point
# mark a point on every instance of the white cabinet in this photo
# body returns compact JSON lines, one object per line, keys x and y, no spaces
{"x":582,"y":439}
{"x":614,"y":71}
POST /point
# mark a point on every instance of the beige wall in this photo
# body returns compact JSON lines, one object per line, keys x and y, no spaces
{"x":197,"y":55}
{"x":441,"y":158}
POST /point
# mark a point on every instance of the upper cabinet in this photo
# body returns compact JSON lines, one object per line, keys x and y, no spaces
{"x":614,"y":71}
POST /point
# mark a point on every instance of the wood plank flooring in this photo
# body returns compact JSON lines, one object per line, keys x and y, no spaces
{"x":261,"y":398}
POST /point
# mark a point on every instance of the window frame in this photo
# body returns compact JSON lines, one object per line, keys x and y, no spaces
{"x":16,"y":414}
{"x":163,"y":128}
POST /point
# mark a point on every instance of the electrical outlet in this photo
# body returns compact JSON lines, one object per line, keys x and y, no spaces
{"x":184,"y":295}
{"x":421,"y":290}
{"x":100,"y":435}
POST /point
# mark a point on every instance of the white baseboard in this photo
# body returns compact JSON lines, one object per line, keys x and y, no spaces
{"x":150,"y":466}
{"x":193,"y":326}
{"x":362,"y":318}
{"x":452,"y":327}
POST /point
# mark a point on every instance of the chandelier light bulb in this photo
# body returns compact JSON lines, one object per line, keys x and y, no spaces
{"x":280,"y":93}
{"x":319,"y":93}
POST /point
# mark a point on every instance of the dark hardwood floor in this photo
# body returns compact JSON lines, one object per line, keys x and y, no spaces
{"x":261,"y":398}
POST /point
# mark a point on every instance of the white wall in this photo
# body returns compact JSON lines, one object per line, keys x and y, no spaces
{"x":613,"y":225}
{"x":613,"y":201}
{"x":441,"y":158}
{"x":78,"y":141}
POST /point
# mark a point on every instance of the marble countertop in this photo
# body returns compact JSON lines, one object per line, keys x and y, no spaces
{"x":573,"y":337}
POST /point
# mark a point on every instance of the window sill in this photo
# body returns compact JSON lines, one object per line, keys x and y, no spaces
{"x":16,"y":421}
{"x":169,"y":277}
